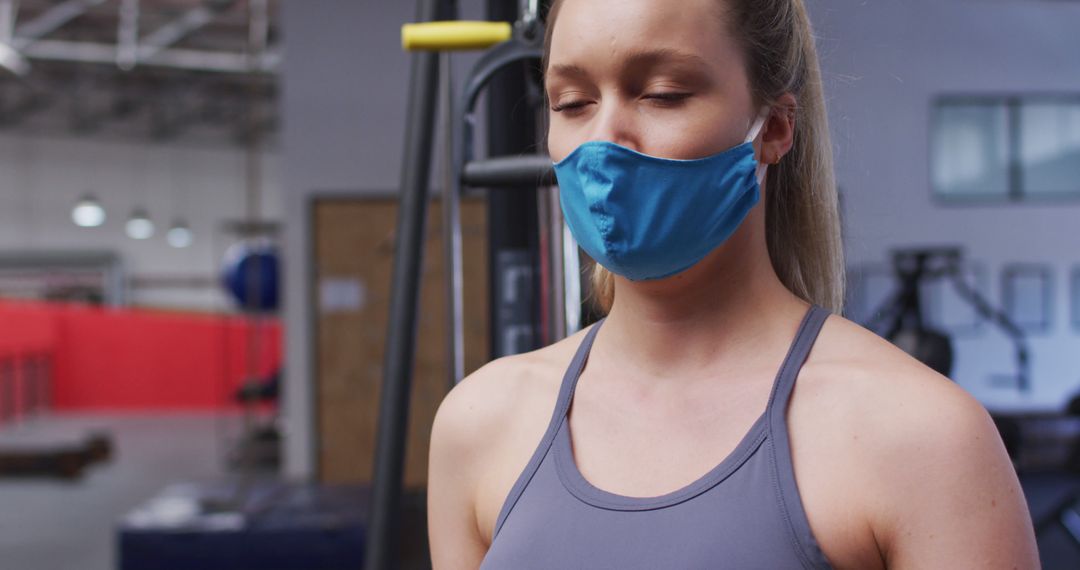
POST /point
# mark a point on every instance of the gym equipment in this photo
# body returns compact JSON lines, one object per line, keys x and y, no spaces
{"x":25,"y":395}
{"x":903,"y":312}
{"x":1066,"y":512}
{"x":515,"y":293}
{"x":512,"y":267}
{"x":398,"y":360}
{"x":261,"y":390}
{"x":907,"y":329}
{"x":439,"y":36}
{"x":60,"y":460}
{"x":251,"y":274}
{"x":259,"y":446}
{"x":512,"y":182}
{"x":261,"y":524}
{"x":506,"y":177}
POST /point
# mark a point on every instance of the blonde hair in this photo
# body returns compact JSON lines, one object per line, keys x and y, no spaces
{"x":802,"y":219}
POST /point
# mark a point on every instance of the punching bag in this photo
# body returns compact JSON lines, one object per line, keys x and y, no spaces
{"x":251,"y":275}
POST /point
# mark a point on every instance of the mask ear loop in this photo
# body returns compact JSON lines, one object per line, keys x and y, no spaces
{"x":755,"y":130}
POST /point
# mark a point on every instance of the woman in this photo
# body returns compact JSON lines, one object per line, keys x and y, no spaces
{"x":673,"y":434}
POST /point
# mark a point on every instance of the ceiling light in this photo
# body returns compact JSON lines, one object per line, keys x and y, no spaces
{"x":139,"y":225}
{"x":179,"y":235}
{"x":88,"y":212}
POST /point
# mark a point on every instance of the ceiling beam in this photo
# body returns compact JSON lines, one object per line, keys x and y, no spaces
{"x":176,"y":30}
{"x":127,"y":34}
{"x":10,"y":60}
{"x":8,"y":11}
{"x":50,"y":21}
{"x":195,"y":60}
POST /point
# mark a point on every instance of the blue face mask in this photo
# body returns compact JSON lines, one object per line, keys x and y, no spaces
{"x":645,"y":217}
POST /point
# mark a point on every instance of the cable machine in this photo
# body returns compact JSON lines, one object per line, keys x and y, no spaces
{"x":902,"y":313}
{"x":534,"y":271}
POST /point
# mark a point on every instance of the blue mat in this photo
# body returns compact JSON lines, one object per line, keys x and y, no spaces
{"x":265,"y":525}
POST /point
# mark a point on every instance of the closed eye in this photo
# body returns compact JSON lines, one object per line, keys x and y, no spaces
{"x":568,"y":105}
{"x":667,"y":97}
{"x":661,"y":98}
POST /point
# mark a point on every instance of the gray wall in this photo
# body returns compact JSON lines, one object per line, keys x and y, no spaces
{"x":345,"y":86}
{"x":345,"y":83}
{"x":42,"y":176}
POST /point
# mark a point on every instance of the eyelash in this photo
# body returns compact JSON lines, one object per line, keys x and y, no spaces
{"x":666,"y":98}
{"x":566,"y":106}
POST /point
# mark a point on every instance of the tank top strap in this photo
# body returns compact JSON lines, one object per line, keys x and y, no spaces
{"x":562,"y":405}
{"x":783,"y":468}
{"x":789,"y":370}
{"x":573,"y":372}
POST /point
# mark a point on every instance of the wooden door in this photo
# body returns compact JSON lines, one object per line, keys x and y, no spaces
{"x":354,"y":250}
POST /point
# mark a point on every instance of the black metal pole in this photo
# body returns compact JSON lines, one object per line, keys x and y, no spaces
{"x":513,"y":252}
{"x":383,"y":529}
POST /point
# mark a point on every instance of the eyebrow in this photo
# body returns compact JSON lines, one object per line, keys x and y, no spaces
{"x":641,"y":57}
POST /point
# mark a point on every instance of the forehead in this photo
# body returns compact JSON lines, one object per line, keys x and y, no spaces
{"x":602,"y":31}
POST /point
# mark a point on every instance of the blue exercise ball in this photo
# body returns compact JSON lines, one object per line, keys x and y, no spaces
{"x":251,"y":273}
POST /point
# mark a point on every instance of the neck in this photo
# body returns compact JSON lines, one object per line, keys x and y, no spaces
{"x":730,"y":310}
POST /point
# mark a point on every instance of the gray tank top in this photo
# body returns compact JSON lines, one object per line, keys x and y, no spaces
{"x":744,"y":513}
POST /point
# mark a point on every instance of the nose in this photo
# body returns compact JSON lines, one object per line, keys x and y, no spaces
{"x":616,"y":122}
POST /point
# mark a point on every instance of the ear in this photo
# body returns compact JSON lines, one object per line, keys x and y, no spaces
{"x":778,"y":135}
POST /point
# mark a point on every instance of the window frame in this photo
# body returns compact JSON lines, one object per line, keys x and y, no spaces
{"x":1012,"y":103}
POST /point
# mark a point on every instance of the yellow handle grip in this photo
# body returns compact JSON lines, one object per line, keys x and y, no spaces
{"x":456,"y":35}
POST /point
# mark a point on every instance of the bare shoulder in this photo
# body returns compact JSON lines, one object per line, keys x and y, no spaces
{"x":866,"y":390}
{"x":487,"y":401}
{"x":854,"y":367}
{"x":929,"y":468}
{"x":890,"y":405}
{"x":487,"y":427}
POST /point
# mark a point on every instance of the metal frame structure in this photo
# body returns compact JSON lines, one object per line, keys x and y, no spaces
{"x":904,"y":307}
{"x":107,"y":263}
{"x":510,"y":177}
{"x":404,"y":298}
{"x":137,"y":68}
{"x":31,"y":41}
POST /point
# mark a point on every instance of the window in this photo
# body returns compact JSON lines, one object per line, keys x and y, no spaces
{"x":1028,"y":294}
{"x":1050,"y":148}
{"x":971,"y":150}
{"x":1005,"y":148}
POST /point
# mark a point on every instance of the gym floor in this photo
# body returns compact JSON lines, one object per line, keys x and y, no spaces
{"x":58,"y":525}
{"x":51,"y":524}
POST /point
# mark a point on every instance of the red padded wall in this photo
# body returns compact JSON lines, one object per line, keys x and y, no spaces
{"x":135,"y":359}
